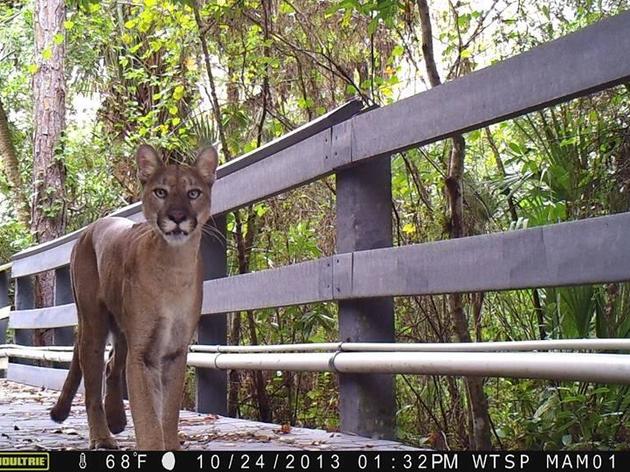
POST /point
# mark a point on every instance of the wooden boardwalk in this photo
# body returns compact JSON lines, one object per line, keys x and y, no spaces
{"x":25,"y":424}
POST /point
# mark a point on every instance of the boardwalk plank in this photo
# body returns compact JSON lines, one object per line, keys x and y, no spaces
{"x":25,"y":425}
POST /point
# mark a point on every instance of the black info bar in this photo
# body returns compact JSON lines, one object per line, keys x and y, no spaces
{"x":343,"y":461}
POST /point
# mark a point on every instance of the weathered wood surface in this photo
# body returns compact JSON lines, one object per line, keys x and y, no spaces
{"x":293,"y":159}
{"x":580,"y":63}
{"x":50,"y":317}
{"x":64,"y":296}
{"x":339,"y":114}
{"x":56,"y":253}
{"x":38,"y":377}
{"x":364,"y":222}
{"x":211,"y":387}
{"x":305,"y":282}
{"x":595,"y":250}
{"x":25,"y":424}
{"x":24,"y":300}
{"x":289,"y":168}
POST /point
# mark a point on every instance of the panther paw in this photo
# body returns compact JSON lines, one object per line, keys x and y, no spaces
{"x":103,"y":443}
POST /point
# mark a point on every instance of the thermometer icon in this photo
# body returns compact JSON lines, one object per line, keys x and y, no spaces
{"x":82,"y":462}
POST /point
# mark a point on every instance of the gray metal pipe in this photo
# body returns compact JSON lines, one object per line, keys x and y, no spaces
{"x":304,"y":362}
{"x":37,"y":354}
{"x":537,"y":345}
{"x":608,"y":344}
{"x":604,"y":368}
{"x":37,"y":348}
{"x":601,"y":368}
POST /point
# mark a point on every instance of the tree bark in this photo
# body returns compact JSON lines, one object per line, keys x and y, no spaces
{"x":427,"y":44}
{"x":453,"y":183}
{"x":11,"y":169}
{"x":48,"y":218}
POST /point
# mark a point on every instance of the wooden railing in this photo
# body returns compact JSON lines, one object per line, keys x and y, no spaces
{"x":366,"y":271}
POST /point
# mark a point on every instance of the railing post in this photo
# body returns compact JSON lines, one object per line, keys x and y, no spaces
{"x":4,"y":303}
{"x":24,"y":300}
{"x":63,"y":295}
{"x":364,"y":221}
{"x":211,"y":395}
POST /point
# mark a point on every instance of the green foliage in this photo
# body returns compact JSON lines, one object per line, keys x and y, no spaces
{"x":566,"y":416}
{"x":139,"y":70}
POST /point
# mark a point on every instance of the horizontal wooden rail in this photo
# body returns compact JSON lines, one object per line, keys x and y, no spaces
{"x":50,"y":317}
{"x":595,"y":250}
{"x":288,"y":162}
{"x":580,"y":63}
{"x":45,"y":377}
{"x":304,"y":162}
{"x":326,"y":121}
{"x":306,"y":282}
{"x":56,"y":253}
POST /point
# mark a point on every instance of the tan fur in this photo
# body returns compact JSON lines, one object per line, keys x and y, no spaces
{"x":143,"y":286}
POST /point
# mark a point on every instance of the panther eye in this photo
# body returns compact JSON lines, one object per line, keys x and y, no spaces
{"x":160,"y":193}
{"x":194,"y":194}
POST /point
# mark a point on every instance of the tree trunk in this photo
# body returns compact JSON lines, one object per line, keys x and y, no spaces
{"x":48,"y":208}
{"x":11,"y":169}
{"x":427,"y":44}
{"x":478,"y":399}
{"x":474,"y":385}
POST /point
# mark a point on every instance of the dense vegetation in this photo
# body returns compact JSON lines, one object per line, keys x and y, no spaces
{"x":242,"y":72}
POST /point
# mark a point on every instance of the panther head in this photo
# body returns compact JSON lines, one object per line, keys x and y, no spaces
{"x":176,"y":198}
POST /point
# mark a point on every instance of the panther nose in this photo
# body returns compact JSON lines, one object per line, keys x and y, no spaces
{"x":177,"y":216}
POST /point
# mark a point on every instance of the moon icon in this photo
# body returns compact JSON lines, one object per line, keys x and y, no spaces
{"x":168,"y":460}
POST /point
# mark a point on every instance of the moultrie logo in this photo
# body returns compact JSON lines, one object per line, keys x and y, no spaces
{"x":14,"y":461}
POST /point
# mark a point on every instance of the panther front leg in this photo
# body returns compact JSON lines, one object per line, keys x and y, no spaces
{"x":145,"y":397}
{"x":173,"y":376}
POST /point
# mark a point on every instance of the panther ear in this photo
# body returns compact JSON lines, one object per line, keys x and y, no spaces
{"x":206,"y":163}
{"x":148,"y":162}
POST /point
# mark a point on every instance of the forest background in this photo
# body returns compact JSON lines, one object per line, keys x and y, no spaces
{"x":83,"y":82}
